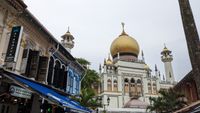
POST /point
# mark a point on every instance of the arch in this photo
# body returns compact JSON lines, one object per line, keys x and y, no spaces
{"x":109,"y":85}
{"x":58,"y":61}
{"x":132,"y":80}
{"x":154,"y":88}
{"x":139,"y":87}
{"x":126,"y":80}
{"x":139,"y":81}
{"x":65,"y":67}
{"x":133,"y":89}
{"x":61,"y":77}
{"x":57,"y":71}
{"x":115,"y":85}
{"x":126,"y":85}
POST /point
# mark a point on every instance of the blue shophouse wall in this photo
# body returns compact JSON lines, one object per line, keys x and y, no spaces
{"x":73,"y":82}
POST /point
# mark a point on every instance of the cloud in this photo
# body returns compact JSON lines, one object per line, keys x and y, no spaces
{"x":96,"y":23}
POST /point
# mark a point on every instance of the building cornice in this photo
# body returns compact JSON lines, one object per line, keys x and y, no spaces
{"x":19,"y":5}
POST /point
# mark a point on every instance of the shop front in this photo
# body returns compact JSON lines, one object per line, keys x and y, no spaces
{"x":52,"y":100}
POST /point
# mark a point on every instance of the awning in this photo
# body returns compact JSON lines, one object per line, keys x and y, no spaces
{"x":192,"y":108}
{"x":45,"y":91}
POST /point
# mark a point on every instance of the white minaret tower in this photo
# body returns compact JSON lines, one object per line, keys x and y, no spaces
{"x":67,"y":41}
{"x":167,"y":59}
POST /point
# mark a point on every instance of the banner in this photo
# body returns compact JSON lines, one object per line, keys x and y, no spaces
{"x":14,"y":43}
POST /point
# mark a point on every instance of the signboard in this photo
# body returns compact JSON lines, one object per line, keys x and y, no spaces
{"x":14,"y":43}
{"x":19,"y":92}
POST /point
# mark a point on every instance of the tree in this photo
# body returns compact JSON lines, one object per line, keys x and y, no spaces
{"x":167,"y":102}
{"x":91,"y":78}
{"x":83,"y":62}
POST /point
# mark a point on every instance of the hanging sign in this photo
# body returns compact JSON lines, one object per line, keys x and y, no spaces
{"x":14,"y":43}
{"x":19,"y":92}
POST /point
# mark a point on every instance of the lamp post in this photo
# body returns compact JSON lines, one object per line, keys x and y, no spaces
{"x":104,"y":105}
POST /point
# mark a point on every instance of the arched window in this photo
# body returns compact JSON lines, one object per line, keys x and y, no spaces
{"x":62,"y":77}
{"x":126,"y":85}
{"x":56,"y":74}
{"x":133,"y":87}
{"x":65,"y":79}
{"x":154,"y":88}
{"x":109,"y":83}
{"x":132,"y":80}
{"x":115,"y":86}
{"x":139,"y":86}
{"x":139,"y":81}
{"x":77,"y":84}
{"x":70,"y":81}
{"x":149,"y":88}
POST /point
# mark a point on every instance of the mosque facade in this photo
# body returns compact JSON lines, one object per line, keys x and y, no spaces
{"x":127,"y":81}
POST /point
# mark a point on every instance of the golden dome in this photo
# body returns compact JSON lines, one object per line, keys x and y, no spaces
{"x":108,"y":61}
{"x":124,"y":44}
{"x":165,"y":50}
{"x":146,"y":67}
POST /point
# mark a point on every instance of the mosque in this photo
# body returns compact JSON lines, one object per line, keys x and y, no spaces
{"x":127,"y":82}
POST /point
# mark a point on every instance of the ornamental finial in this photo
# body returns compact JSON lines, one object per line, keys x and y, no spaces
{"x":123,"y":25}
{"x":123,"y":31}
{"x":165,"y":45}
{"x":68,"y":29}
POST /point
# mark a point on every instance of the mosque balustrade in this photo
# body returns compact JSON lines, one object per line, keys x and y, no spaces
{"x":139,"y":61}
{"x":134,"y":94}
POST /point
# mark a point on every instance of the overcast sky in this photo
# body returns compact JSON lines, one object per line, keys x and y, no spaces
{"x":96,"y":23}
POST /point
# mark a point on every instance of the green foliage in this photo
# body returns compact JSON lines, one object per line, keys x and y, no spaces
{"x":167,"y":102}
{"x":91,"y":78}
{"x":83,"y":62}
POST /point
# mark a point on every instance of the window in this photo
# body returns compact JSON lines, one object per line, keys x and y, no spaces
{"x":77,"y":84}
{"x":149,"y":88}
{"x":139,"y":86}
{"x":61,"y":77}
{"x":42,"y":69}
{"x":133,"y":87}
{"x":126,"y":85}
{"x":69,"y":80}
{"x":154,"y":88}
{"x":65,"y":80}
{"x":115,"y":86}
{"x":74,"y":84}
{"x":50,"y":70}
{"x":33,"y":61}
{"x":56,"y":78}
{"x":109,"y":83}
